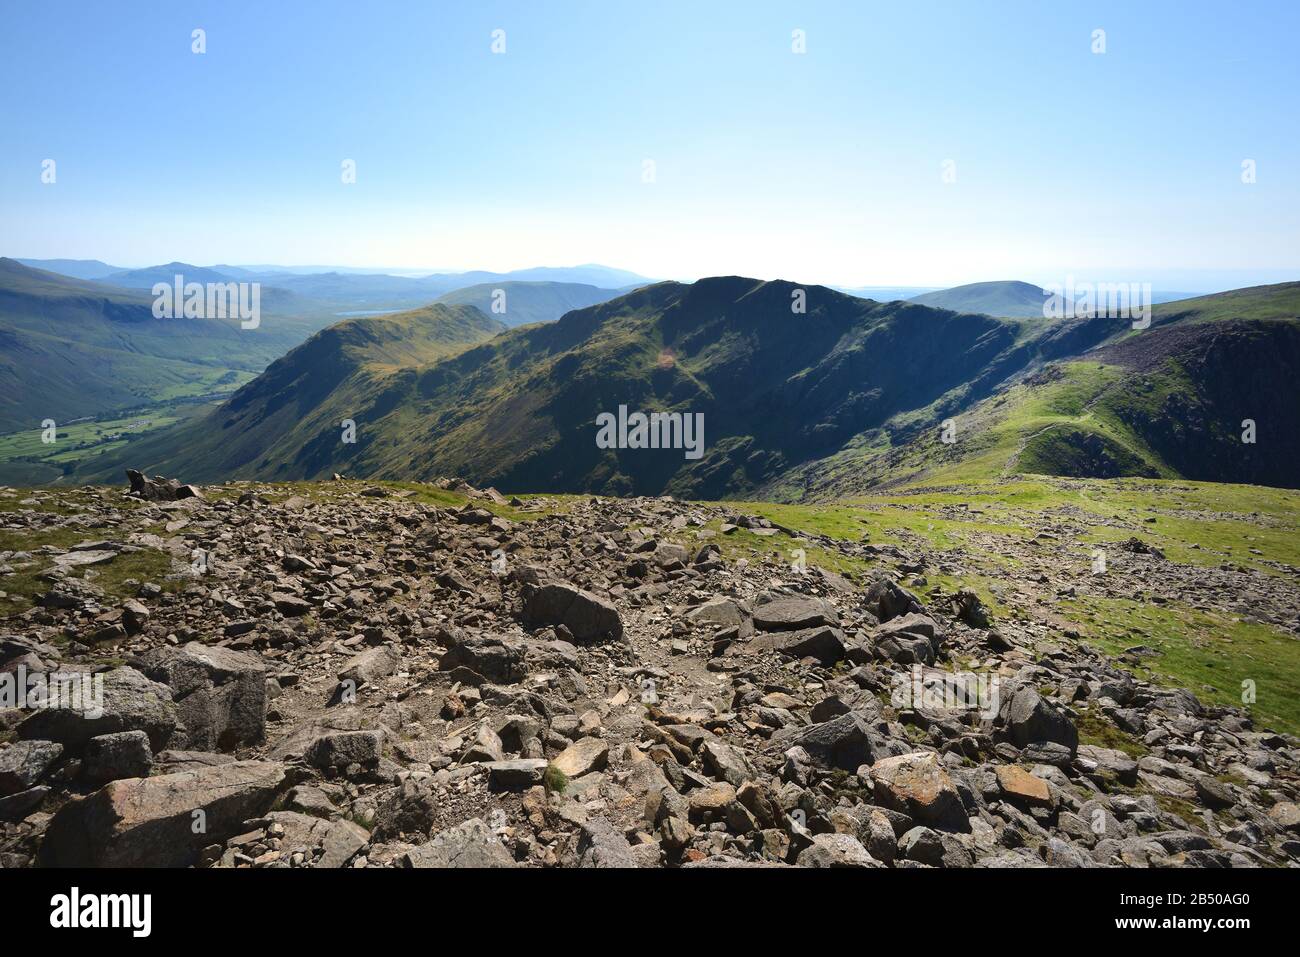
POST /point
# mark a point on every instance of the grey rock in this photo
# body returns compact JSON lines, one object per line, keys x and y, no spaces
{"x":844,"y":742}
{"x":600,"y":845}
{"x":588,"y":617}
{"x":794,"y":613}
{"x":469,"y":844}
{"x":220,"y":694}
{"x":109,"y":757}
{"x":1031,"y":719}
{"x":162,"y":821}
{"x":131,"y":702}
{"x":24,"y":763}
{"x":836,"y":850}
{"x":342,"y":749}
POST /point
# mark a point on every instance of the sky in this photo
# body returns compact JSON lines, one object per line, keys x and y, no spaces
{"x":910,"y":144}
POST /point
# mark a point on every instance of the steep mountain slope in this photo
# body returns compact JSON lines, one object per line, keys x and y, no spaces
{"x":1007,"y":298}
{"x":528,"y":302}
{"x":289,"y":420}
{"x":1167,"y":401}
{"x":775,"y":388}
{"x":848,"y":395}
{"x":71,"y":348}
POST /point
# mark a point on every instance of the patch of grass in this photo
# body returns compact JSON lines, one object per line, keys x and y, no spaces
{"x":113,"y":577}
{"x":424,"y":493}
{"x":1097,"y":731}
{"x":890,"y":524}
{"x":361,"y":819}
{"x":1189,"y":812}
{"x":1204,"y":652}
{"x":554,"y":780}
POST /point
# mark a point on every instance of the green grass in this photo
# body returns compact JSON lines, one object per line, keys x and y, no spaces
{"x":1209,"y":654}
{"x":424,"y":493}
{"x":119,"y":579}
{"x":26,"y":459}
{"x":1099,"y":732}
{"x":554,"y":780}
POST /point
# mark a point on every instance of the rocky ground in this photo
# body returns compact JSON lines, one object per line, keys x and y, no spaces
{"x":350,"y":675}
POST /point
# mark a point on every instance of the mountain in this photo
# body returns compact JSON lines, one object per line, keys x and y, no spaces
{"x":528,"y":302}
{"x":847,"y":396}
{"x":288,"y":421}
{"x":145,"y":278}
{"x":591,"y":274}
{"x":1106,"y":401}
{"x":71,"y":348}
{"x":1006,"y":298}
{"x":76,"y":268}
{"x":776,"y":388}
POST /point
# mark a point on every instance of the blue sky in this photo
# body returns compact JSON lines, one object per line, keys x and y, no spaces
{"x":821,"y":167}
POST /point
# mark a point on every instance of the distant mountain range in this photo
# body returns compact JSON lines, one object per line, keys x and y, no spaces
{"x":320,"y":282}
{"x":72,"y":347}
{"x":521,"y":303}
{"x":851,"y":394}
{"x":352,"y":289}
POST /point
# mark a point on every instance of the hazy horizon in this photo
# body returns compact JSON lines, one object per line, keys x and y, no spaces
{"x":1200,"y":282}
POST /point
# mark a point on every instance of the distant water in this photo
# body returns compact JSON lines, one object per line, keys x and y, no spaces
{"x":367,"y":312}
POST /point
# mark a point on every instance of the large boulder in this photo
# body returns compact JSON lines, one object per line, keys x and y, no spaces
{"x":162,"y":821}
{"x":158,"y":488}
{"x":220,"y":694}
{"x":836,"y":850}
{"x":723,"y":613}
{"x":886,"y":599}
{"x":410,"y":808}
{"x":1021,"y":787}
{"x":824,"y":643}
{"x":910,"y":638}
{"x":582,"y":757}
{"x":110,"y":757}
{"x":1030,"y":719}
{"x":601,"y":845}
{"x":588,"y":617}
{"x":725,"y":762}
{"x":844,"y":742}
{"x":917,"y":785}
{"x":371,"y":665}
{"x":126,"y":700}
{"x":496,"y":659}
{"x":342,"y":750}
{"x":470,"y":844}
{"x":793,"y":613}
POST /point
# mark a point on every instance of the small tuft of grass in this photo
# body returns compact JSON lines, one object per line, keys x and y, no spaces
{"x":554,"y":780}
